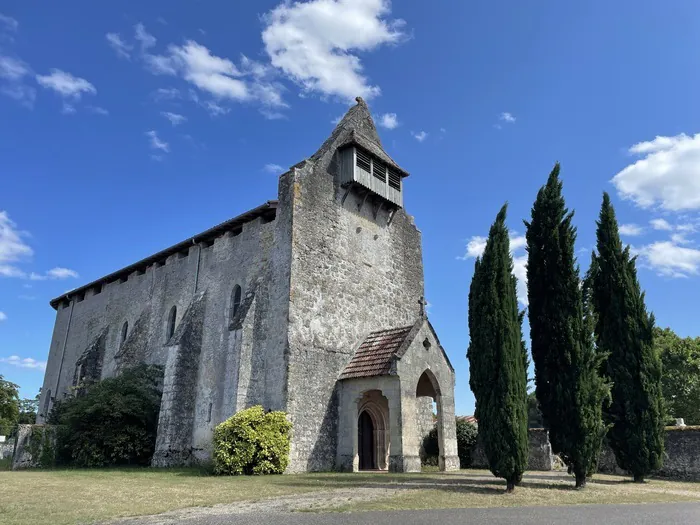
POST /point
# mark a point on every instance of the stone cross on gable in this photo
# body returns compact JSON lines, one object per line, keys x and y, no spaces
{"x":422,"y":304}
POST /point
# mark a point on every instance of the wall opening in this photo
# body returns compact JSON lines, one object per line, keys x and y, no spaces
{"x":365,"y":442}
{"x":172,"y":317}
{"x":125,"y":332}
{"x":235,"y":302}
{"x":373,"y":437}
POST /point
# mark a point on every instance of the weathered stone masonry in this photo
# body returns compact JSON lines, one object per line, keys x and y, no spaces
{"x":335,"y":259}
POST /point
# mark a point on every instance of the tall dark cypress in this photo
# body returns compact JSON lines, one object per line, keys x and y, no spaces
{"x":568,"y":387}
{"x":497,"y":363}
{"x":624,"y":330}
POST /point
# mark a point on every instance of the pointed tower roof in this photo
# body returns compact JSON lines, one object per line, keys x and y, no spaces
{"x":357,"y":128}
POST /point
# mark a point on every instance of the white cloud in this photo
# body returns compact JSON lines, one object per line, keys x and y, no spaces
{"x":12,"y":74}
{"x":12,"y":68}
{"x":146,"y":39}
{"x":3,"y":316}
{"x":159,"y":64}
{"x":315,"y":43}
{"x":507,"y":117}
{"x":661,"y":224}
{"x":120,"y":47}
{"x":156,"y":143}
{"x":8,"y":23}
{"x":12,"y":247}
{"x":388,"y":121}
{"x":54,"y":274}
{"x":61,"y":273}
{"x":273,"y":168}
{"x":670,"y":260}
{"x":476,"y":246}
{"x":208,"y":72}
{"x":26,"y":297}
{"x":174,"y":118}
{"x":420,"y":136}
{"x":26,"y":362}
{"x":667,"y":175}
{"x":631,"y":230}
{"x":65,"y":84}
{"x":97,"y":110}
{"x":166,"y":94}
{"x":220,"y":77}
{"x":679,"y":238}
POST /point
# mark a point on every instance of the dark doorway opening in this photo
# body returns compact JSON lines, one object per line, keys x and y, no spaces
{"x":366,"y":442}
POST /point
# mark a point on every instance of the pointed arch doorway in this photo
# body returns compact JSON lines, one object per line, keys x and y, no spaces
{"x":366,"y":442}
{"x":372,"y":431}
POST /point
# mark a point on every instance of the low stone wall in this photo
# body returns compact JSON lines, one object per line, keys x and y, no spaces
{"x":35,"y":447}
{"x":7,"y":448}
{"x":681,"y":460}
{"x":540,"y":452}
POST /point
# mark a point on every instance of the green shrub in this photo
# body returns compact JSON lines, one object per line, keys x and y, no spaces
{"x":252,"y":442}
{"x":113,"y":423}
{"x":466,"y":440}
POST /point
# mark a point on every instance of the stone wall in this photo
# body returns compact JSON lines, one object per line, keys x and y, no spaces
{"x":352,"y":273}
{"x":7,"y":448}
{"x":143,"y":300}
{"x":35,"y":447}
{"x":681,"y":457}
{"x":681,"y":460}
{"x":540,"y":452}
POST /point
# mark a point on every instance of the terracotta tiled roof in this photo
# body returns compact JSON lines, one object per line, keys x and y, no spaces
{"x":374,"y":356}
{"x":468,"y":419}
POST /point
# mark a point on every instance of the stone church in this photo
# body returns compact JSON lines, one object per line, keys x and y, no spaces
{"x":312,"y":304}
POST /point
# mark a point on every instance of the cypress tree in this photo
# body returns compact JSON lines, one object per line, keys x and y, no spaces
{"x":497,"y":361}
{"x":624,"y":330}
{"x":569,"y":388}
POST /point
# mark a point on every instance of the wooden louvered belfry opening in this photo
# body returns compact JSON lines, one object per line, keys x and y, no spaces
{"x":361,"y":168}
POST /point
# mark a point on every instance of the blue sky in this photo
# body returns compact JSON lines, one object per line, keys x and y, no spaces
{"x":125,"y":127}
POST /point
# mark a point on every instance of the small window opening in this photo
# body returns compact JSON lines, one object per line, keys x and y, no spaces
{"x":172,"y":316}
{"x":123,"y":279}
{"x":125,"y":332}
{"x":209,"y":244}
{"x":97,"y":289}
{"x":426,"y":344}
{"x":237,"y":231}
{"x":80,"y":297}
{"x":209,"y":414}
{"x":47,"y":402}
{"x":269,"y":217}
{"x":235,"y":302}
{"x":394,"y":179}
{"x":363,"y":161}
{"x":379,"y":170}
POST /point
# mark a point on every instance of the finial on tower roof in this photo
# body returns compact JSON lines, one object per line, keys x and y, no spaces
{"x":360,"y":100}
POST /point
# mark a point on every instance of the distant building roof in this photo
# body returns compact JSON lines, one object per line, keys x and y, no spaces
{"x":375,"y":354}
{"x":212,"y":233}
{"x":468,"y":419}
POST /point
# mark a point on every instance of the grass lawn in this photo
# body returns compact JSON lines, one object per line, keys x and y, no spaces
{"x":83,"y":496}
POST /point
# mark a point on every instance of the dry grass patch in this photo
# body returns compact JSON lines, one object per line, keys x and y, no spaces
{"x":68,"y":497}
{"x":471,"y":489}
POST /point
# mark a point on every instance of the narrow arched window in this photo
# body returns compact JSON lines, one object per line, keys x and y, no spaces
{"x":235,"y":302}
{"x":172,"y":316}
{"x":125,"y":331}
